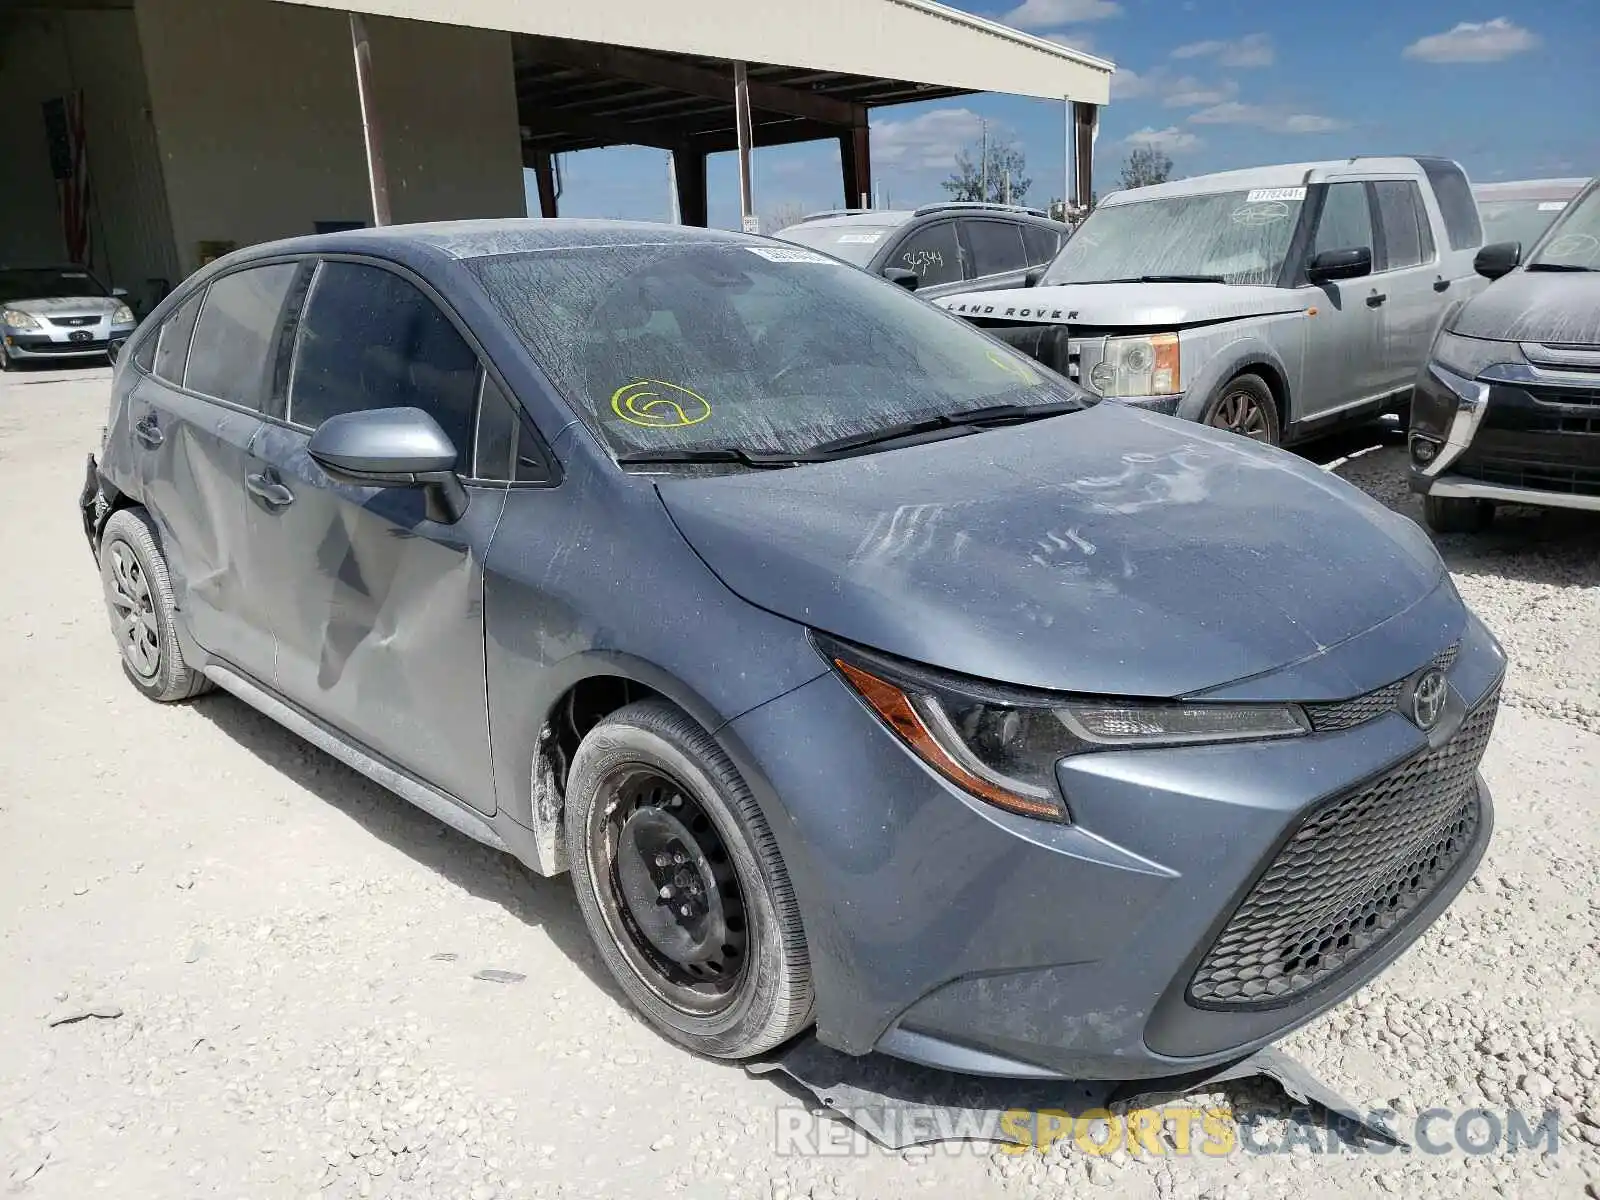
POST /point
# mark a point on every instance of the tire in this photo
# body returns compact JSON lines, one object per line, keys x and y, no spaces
{"x":1457,"y":514}
{"x":642,"y":779}
{"x":1244,"y":405}
{"x":7,"y":363}
{"x":139,"y":601}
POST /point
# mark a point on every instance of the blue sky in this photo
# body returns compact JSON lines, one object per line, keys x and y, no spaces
{"x":1510,"y":90}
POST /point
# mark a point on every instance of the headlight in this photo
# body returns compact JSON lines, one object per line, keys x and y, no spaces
{"x":1139,"y":366}
{"x":18,"y":320}
{"x":1467,"y":356}
{"x":122,"y":315}
{"x":1002,"y":745}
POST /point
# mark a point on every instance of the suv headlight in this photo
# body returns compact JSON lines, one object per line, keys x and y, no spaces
{"x":1467,"y":356}
{"x":18,"y":320}
{"x":1002,"y":744}
{"x":122,"y":315}
{"x":1146,"y":365}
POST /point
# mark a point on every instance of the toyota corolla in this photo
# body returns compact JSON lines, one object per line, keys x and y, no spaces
{"x":865,"y":674}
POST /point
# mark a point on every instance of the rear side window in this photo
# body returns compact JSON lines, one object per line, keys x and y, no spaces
{"x":1346,"y":221}
{"x":172,"y":345}
{"x":1403,"y":223}
{"x":228,"y":357}
{"x":1041,"y":244}
{"x":932,"y":253}
{"x":1456,"y":205}
{"x":369,"y":339}
{"x":996,"y":247}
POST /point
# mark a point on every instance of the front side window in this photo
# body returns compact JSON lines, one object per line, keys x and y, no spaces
{"x":369,"y":339}
{"x":681,"y":346}
{"x":1573,"y":242}
{"x":1237,"y":237}
{"x":996,"y":247}
{"x":228,"y":356}
{"x":1405,"y":225}
{"x":1041,"y":244}
{"x":932,"y":253}
{"x":1346,"y":221}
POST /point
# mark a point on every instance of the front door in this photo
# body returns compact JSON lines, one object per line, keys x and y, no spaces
{"x":378,"y":610}
{"x":1344,"y":361}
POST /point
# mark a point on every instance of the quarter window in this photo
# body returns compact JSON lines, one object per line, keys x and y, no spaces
{"x":932,"y":253}
{"x":172,"y":348}
{"x":996,"y":247}
{"x":1403,"y":222}
{"x":369,"y":340}
{"x":1450,"y":188}
{"x":228,"y":357}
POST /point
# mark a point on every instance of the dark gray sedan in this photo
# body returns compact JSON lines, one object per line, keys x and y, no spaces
{"x":864,"y":673}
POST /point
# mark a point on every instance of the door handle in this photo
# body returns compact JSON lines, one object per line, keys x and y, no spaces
{"x":271,"y":493}
{"x":1441,"y":285}
{"x":1376,"y":300}
{"x":149,"y":433}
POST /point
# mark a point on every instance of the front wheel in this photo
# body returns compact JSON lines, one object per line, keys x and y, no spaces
{"x":1457,"y":514}
{"x":682,"y":886}
{"x":1245,"y":406}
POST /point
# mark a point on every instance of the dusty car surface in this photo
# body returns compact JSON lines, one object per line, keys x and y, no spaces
{"x":1521,"y":210}
{"x":1274,"y":302}
{"x":56,"y":314}
{"x":1507,"y":408}
{"x":865,"y":674}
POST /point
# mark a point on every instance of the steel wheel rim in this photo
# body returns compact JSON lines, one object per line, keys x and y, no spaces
{"x":694,"y":962}
{"x":1242,"y":413}
{"x":133,"y":612}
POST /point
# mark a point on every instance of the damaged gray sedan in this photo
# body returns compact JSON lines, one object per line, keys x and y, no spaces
{"x":865,"y":674}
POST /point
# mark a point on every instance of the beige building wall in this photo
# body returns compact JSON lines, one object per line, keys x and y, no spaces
{"x":259,"y":125}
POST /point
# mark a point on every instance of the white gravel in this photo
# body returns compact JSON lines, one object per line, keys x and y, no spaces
{"x":270,"y":963}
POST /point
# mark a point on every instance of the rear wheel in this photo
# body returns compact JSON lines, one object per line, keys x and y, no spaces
{"x":682,"y":886}
{"x":139,"y":600}
{"x":1245,"y":406}
{"x":1457,"y":514}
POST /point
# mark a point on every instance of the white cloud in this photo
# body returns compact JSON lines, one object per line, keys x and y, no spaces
{"x":927,"y":141}
{"x":1127,"y":84}
{"x":1474,"y":41}
{"x":1174,"y":91}
{"x":1191,"y":93}
{"x":1274,"y":120}
{"x":1073,"y":39}
{"x":1169,"y":139}
{"x":1053,"y":14}
{"x":1252,"y":50}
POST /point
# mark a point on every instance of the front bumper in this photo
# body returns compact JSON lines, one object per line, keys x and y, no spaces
{"x":951,"y":933}
{"x":60,"y":343}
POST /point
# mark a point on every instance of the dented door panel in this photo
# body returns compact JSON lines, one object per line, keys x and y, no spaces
{"x":379,"y":615}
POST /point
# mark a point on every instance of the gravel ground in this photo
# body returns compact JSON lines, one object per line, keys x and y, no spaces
{"x":268,"y":973}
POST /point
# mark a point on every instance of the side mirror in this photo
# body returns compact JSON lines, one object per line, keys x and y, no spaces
{"x":1497,"y":259}
{"x":393,"y":447}
{"x":1340,"y":264}
{"x":906,"y":279}
{"x":1032,"y":278}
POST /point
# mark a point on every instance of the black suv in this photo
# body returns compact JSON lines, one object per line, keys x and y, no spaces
{"x":1507,"y":408}
{"x":939,"y":249}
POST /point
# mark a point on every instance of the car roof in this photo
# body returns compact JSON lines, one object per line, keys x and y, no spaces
{"x":1529,"y":189}
{"x":1280,"y":175}
{"x":875,"y":217}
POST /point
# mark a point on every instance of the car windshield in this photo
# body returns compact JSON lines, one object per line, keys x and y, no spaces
{"x":1237,"y":237}
{"x":680,"y":346}
{"x":853,"y":243}
{"x":1574,"y":242}
{"x":1517,"y":220}
{"x":47,"y":283}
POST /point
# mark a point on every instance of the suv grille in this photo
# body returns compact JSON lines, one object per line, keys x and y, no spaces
{"x":1352,"y":874}
{"x":1553,"y":477}
{"x":1347,"y":714}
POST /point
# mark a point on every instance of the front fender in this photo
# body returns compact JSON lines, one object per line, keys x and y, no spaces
{"x":1235,"y":352}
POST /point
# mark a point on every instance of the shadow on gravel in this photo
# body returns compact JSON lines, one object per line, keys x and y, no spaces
{"x":486,"y":873}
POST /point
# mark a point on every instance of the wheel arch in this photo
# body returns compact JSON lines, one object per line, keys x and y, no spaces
{"x":1250,"y":356}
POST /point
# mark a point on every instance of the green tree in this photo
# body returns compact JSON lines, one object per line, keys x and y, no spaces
{"x":1146,"y":165}
{"x":1007,"y":172}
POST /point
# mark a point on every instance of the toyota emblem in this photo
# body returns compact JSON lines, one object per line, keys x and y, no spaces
{"x":1427,"y":698}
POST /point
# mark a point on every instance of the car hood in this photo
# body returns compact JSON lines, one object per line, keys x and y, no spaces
{"x":1111,"y":551}
{"x":1125,"y":305}
{"x":55,"y":305}
{"x":1537,"y":306}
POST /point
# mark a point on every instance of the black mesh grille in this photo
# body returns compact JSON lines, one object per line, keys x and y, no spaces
{"x":1350,"y":876}
{"x":1347,"y":714}
{"x":1553,"y":477}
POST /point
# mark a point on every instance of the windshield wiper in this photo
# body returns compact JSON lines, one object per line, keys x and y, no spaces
{"x":1149,"y":279}
{"x":720,"y":454}
{"x":1549,"y":266}
{"x":971,"y":419}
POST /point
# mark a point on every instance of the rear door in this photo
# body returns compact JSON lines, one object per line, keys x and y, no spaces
{"x":1407,"y":268}
{"x":999,"y":258}
{"x":192,"y":421}
{"x":378,"y":610}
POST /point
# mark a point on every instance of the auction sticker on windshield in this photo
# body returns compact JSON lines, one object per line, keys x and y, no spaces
{"x":1263,"y":194}
{"x":860,"y":239}
{"x":774,"y":254}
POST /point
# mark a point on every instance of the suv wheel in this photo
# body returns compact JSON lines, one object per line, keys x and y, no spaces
{"x":682,"y":887}
{"x":1245,"y":406}
{"x":139,"y":601}
{"x":1457,"y":514}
